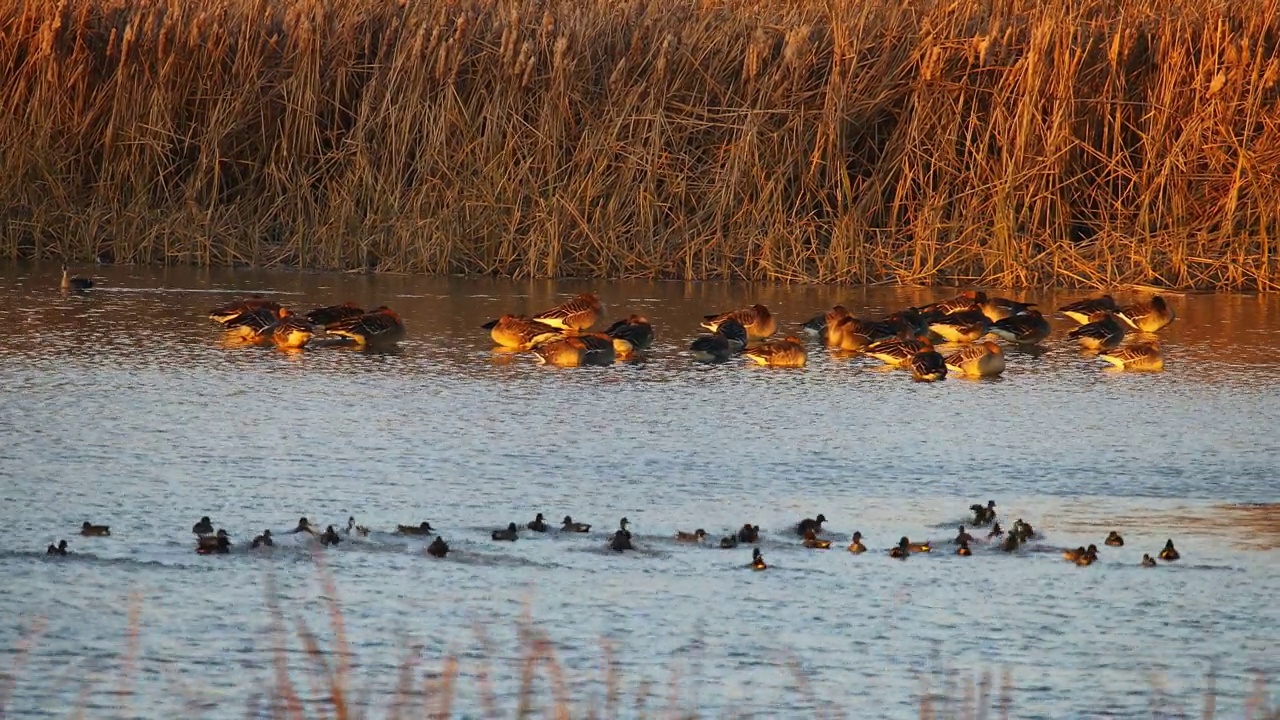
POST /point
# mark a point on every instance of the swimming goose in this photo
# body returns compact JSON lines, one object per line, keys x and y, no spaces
{"x":1144,"y":356}
{"x":967,"y":300}
{"x":255,"y":325}
{"x":438,"y":547}
{"x":380,"y":327}
{"x":519,"y":332}
{"x":73,"y":282}
{"x":204,"y":527}
{"x":998,"y":308}
{"x":788,"y":353}
{"x":90,"y":530}
{"x":263,"y":540}
{"x":812,"y":541}
{"x":694,"y":537}
{"x":230,"y":311}
{"x":570,"y":526}
{"x":897,"y":352}
{"x":855,"y":543}
{"x":1114,"y":539}
{"x":331,"y":315}
{"x":631,"y":335}
{"x":928,"y":366}
{"x":757,"y":560}
{"x":576,"y":351}
{"x":59,"y":549}
{"x":749,"y":533}
{"x":1102,"y":332}
{"x":1082,"y":311}
{"x":961,"y":327}
{"x":577,"y":314}
{"x":509,"y":534}
{"x":422,"y":529}
{"x":757,"y":320}
{"x":984,"y":359}
{"x":728,"y":339}
{"x":292,"y":332}
{"x":537,"y":524}
{"x":807,"y":524}
{"x":1027,"y":329}
{"x":1169,"y":553}
{"x":1150,"y":316}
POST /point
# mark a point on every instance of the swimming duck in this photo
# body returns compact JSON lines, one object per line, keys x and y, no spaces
{"x":928,"y":366}
{"x":1150,"y":316}
{"x":537,"y":524}
{"x":255,"y":325}
{"x":855,"y":543}
{"x":204,"y":527}
{"x":438,"y":547}
{"x":382,"y":326}
{"x":518,"y":332}
{"x":422,"y":529}
{"x":630,"y":335}
{"x":509,"y":534}
{"x":923,"y":547}
{"x":998,"y":308}
{"x":897,"y":352}
{"x":622,"y":527}
{"x":985,"y":359}
{"x":984,"y":515}
{"x":1089,"y":557}
{"x":330,"y":537}
{"x":90,"y":530}
{"x":1148,"y":561}
{"x":1026,"y":329}
{"x":812,"y":541}
{"x":729,"y":542}
{"x":963,"y":550}
{"x":576,"y":351}
{"x":570,"y":526}
{"x":1169,"y":553}
{"x":1136,"y":356}
{"x":1082,"y":311}
{"x":59,"y":549}
{"x":292,"y":332}
{"x":74,"y":283}
{"x":332,"y":315}
{"x":304,"y":525}
{"x":219,"y":544}
{"x":577,"y":314}
{"x":1023,"y":531}
{"x":967,"y":300}
{"x":1114,"y":539}
{"x":961,"y":327}
{"x":807,"y":524}
{"x":757,"y":560}
{"x":620,"y":541}
{"x":788,"y":352}
{"x":728,"y":339}
{"x":901,"y":550}
{"x":749,"y":533}
{"x":360,"y":530}
{"x":1010,"y":542}
{"x":695,"y":536}
{"x":263,"y":540}
{"x":1072,"y":555}
{"x":757,"y":320}
{"x":230,"y":311}
{"x":963,"y":537}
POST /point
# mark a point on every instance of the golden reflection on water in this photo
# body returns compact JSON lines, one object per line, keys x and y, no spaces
{"x":1249,"y":526}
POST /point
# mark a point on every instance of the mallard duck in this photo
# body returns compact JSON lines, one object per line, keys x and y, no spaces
{"x":537,"y":524}
{"x":1082,"y":311}
{"x":963,"y":537}
{"x":967,"y":300}
{"x":984,"y":359}
{"x":74,"y":283}
{"x":90,"y":530}
{"x":1102,"y":332}
{"x":1169,"y":553}
{"x":438,"y":547}
{"x":728,"y":339}
{"x":510,"y":534}
{"x":901,"y":550}
{"x":807,"y":524}
{"x":728,"y":542}
{"x":360,"y":530}
{"x":1150,"y":316}
{"x":422,"y":529}
{"x":382,"y":326}
{"x":984,"y":515}
{"x":961,"y":327}
{"x":519,"y":332}
{"x":694,"y":537}
{"x":59,"y":549}
{"x":576,"y":351}
{"x":1027,"y":329}
{"x":304,"y":526}
{"x":855,"y":543}
{"x":631,"y":335}
{"x":1143,"y":356}
{"x":204,"y":527}
{"x":1114,"y":539}
{"x":897,"y":352}
{"x":928,"y":366}
{"x":333,"y":314}
{"x":577,"y":314}
{"x":256,"y":325}
{"x":996,"y":532}
{"x":813,"y":542}
{"x":219,"y":544}
{"x":570,"y":526}
{"x":788,"y":352}
{"x":757,"y":320}
{"x":998,"y":308}
{"x":1148,"y":561}
{"x":963,"y":550}
{"x":757,"y":560}
{"x":620,"y":541}
{"x":230,"y":311}
{"x":292,"y":332}
{"x":330,"y":537}
{"x":749,"y":533}
{"x":263,"y":540}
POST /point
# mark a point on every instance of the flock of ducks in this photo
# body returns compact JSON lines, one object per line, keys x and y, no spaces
{"x":809,"y":530}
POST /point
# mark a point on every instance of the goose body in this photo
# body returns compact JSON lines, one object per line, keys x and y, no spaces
{"x":961,"y":327}
{"x":897,"y":352}
{"x":331,"y":315}
{"x":853,"y":334}
{"x":757,"y":320}
{"x":1150,"y":316}
{"x":255,"y":325}
{"x":1028,"y":329}
{"x":928,"y":366}
{"x":822,"y":325}
{"x":1102,"y":332}
{"x":330,"y":537}
{"x":292,"y":332}
{"x":967,"y":300}
{"x":1073,"y":555}
{"x":577,"y":350}
{"x":631,"y":335}
{"x":1083,"y":310}
{"x":998,"y":308}
{"x":518,"y":332}
{"x":729,"y":339}
{"x":379,"y":327}
{"x":985,"y":359}
{"x":788,"y":352}
{"x":728,"y":542}
{"x":577,"y":314}
{"x":230,"y":311}
{"x":1144,"y":356}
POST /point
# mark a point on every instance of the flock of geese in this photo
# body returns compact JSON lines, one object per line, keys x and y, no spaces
{"x":809,"y":530}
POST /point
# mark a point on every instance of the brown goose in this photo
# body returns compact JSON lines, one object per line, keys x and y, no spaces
{"x":333,"y":314}
{"x":985,"y":359}
{"x":1150,"y":316}
{"x":1082,"y":310}
{"x":1027,"y":329}
{"x":788,"y":352}
{"x":757,"y":320}
{"x":518,"y":332}
{"x":578,"y":314}
{"x":225,"y":313}
{"x":1136,"y":356}
{"x":380,"y":327}
{"x":630,"y":335}
{"x":577,"y":350}
{"x":1102,"y":332}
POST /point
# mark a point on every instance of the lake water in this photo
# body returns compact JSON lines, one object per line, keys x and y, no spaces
{"x":123,"y":406}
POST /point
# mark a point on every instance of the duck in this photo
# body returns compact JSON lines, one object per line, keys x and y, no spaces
{"x":1083,"y":310}
{"x":576,"y":351}
{"x":729,"y":542}
{"x":1141,"y":356}
{"x":1148,"y":561}
{"x":897,"y":352}
{"x":570,"y":526}
{"x":901,"y":550}
{"x":422,"y":529}
{"x":330,"y":537}
{"x":1150,"y":316}
{"x":998,"y":308}
{"x":757,"y":560}
{"x":757,"y":320}
{"x":1169,"y":553}
{"x":1023,"y":531}
{"x":630,"y":335}
{"x":813,"y":542}
{"x":622,"y":526}
{"x":90,"y":530}
{"x":219,"y":544}
{"x":694,"y":537}
{"x":807,"y":524}
{"x":1114,"y":539}
{"x":59,"y":549}
{"x":928,"y":366}
{"x":204,"y":527}
{"x":438,"y":547}
{"x":230,"y":311}
{"x":360,"y":530}
{"x":263,"y":540}
{"x":1089,"y":557}
{"x":578,"y":314}
{"x":961,"y":327}
{"x":963,"y":550}
{"x":257,"y":325}
{"x":304,"y":525}
{"x":517,"y":332}
{"x":985,"y":359}
{"x":332,"y":315}
{"x":749,"y":533}
{"x":963,"y":537}
{"x":292,"y":332}
{"x":923,"y":547}
{"x":509,"y":534}
{"x":984,"y":515}
{"x":70,"y":282}
{"x":1071,"y":555}
{"x":855,"y":543}
{"x":1028,"y":329}
{"x":1010,"y":542}
{"x":537,"y":524}
{"x":620,"y":541}
{"x":996,"y":532}
{"x":965,"y":301}
{"x":729,"y":339}
{"x":381,"y":327}
{"x":788,"y":352}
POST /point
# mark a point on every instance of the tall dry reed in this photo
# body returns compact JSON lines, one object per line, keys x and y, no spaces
{"x":1004,"y":142}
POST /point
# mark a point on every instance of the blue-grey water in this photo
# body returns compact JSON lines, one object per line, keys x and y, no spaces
{"x":124,"y":406}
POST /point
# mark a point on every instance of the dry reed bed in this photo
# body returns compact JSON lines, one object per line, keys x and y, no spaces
{"x":1004,"y":142}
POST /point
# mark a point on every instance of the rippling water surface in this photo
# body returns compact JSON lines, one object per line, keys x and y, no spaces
{"x":123,"y":406}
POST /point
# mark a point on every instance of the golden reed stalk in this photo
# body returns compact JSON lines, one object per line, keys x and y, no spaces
{"x":1001,"y":142}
